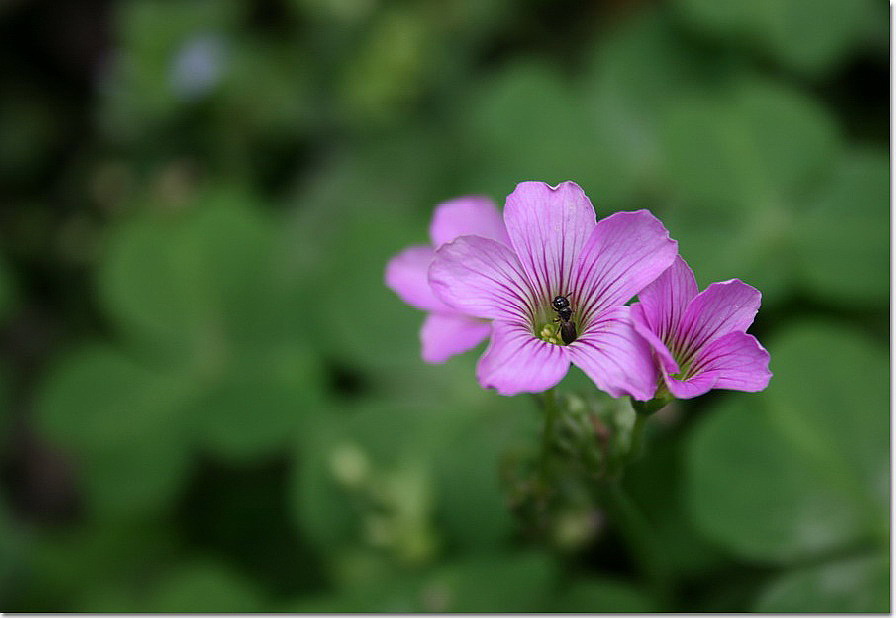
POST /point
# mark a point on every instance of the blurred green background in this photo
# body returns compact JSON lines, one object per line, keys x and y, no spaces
{"x":210,"y":402}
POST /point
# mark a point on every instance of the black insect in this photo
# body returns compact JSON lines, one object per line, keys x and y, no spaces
{"x":564,"y":317}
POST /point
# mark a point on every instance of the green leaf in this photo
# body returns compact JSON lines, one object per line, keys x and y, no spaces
{"x":190,"y":280}
{"x":810,"y":36}
{"x":753,"y":494}
{"x":122,"y":420}
{"x":97,"y":565}
{"x":492,"y":584}
{"x":259,"y":405}
{"x":354,"y":218}
{"x":754,"y":246}
{"x":655,"y":484}
{"x":830,"y":397}
{"x":197,"y":586}
{"x":229,"y":241}
{"x":733,"y":154}
{"x":149,"y":281}
{"x":859,"y":585}
{"x":637,"y":71}
{"x":160,"y":462}
{"x":603,"y":595}
{"x":389,"y":70}
{"x":647,"y":61}
{"x":392,"y":596}
{"x":527,"y":123}
{"x":513,"y":583}
{"x":205,"y":586}
{"x":801,"y":469}
{"x":99,"y":396}
{"x":473,"y":511}
{"x":739,"y":164}
{"x":843,"y":236}
{"x":212,"y":282}
{"x":324,"y":514}
{"x":753,"y":146}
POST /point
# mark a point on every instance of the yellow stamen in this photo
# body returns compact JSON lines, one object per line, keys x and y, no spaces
{"x":549,"y":334}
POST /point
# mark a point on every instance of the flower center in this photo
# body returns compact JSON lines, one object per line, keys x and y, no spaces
{"x":547,"y":322}
{"x":683,"y":357}
{"x":550,"y":333}
{"x":683,"y":374}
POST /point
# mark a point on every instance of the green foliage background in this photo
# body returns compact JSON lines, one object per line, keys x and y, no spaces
{"x":209,"y":401}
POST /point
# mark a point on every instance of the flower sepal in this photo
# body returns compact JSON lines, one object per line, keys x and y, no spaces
{"x":660,"y":400}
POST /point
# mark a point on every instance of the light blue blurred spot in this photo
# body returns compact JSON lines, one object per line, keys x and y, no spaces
{"x":198,"y":66}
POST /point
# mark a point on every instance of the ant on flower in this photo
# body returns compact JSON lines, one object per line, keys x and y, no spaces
{"x":564,"y":315}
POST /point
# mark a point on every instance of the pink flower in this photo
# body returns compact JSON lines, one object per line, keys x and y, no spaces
{"x":445,"y":331}
{"x":700,"y":340}
{"x":556,"y":248}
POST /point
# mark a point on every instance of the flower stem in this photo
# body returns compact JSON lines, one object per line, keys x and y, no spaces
{"x":651,"y":406}
{"x":636,"y":442}
{"x":643,"y":410}
{"x":549,"y":401}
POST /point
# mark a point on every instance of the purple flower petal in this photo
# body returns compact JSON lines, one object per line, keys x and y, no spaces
{"x":548,"y":228}
{"x":445,"y":335}
{"x":518,"y":362}
{"x":703,"y":333}
{"x":481,"y":277}
{"x":470,"y":215}
{"x":614,"y":357}
{"x":625,"y":252}
{"x":643,"y":328}
{"x":734,"y":361}
{"x":691,"y":388}
{"x":407,"y":275}
{"x":665,"y":301}
{"x":720,"y":309}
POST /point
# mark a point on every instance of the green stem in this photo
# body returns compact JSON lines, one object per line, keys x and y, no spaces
{"x":636,"y":442}
{"x":550,"y":421}
{"x":622,"y":459}
{"x":643,"y":410}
